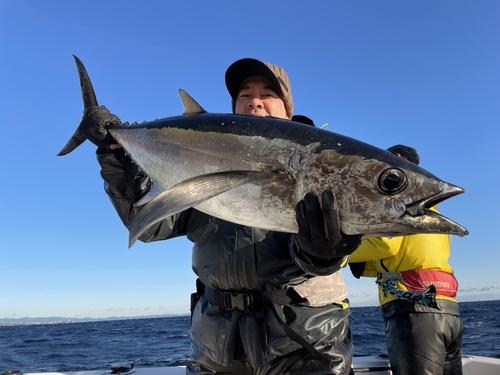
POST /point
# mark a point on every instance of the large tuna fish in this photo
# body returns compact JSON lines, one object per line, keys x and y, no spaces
{"x":253,"y":171}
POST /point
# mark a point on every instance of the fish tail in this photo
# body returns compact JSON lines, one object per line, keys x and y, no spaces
{"x":89,"y":100}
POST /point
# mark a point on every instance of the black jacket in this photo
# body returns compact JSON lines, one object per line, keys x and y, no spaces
{"x":230,"y":257}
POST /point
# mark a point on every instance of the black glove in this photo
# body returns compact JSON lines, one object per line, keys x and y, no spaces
{"x":95,"y":123}
{"x":320,"y":232}
{"x":357,"y":269}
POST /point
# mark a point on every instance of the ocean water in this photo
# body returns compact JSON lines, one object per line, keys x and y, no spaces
{"x":153,"y":342}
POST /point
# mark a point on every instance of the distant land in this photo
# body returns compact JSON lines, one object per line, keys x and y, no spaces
{"x":57,"y":319}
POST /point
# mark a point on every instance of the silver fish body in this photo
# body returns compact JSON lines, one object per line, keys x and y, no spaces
{"x":253,"y":171}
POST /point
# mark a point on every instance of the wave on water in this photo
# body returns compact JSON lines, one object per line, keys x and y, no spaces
{"x":165,"y":341}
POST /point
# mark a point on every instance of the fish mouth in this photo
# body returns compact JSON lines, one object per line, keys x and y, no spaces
{"x":419,"y":215}
{"x":422,"y":207}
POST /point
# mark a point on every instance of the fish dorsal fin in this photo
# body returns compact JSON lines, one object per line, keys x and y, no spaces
{"x":191,"y":107}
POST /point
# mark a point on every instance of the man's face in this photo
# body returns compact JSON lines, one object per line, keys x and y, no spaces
{"x":257,"y":98}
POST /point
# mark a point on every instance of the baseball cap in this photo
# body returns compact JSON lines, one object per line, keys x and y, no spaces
{"x":242,"y":69}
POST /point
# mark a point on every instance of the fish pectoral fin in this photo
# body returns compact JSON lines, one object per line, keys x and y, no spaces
{"x":192,"y":192}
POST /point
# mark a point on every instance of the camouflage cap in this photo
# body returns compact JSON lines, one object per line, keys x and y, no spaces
{"x":406,"y":152}
{"x":242,"y":69}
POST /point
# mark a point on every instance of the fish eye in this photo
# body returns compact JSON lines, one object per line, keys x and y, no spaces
{"x":392,"y":181}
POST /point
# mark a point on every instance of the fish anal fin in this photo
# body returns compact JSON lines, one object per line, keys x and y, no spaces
{"x":153,"y":193}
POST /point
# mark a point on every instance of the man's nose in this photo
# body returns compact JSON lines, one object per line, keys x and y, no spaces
{"x":256,"y":102}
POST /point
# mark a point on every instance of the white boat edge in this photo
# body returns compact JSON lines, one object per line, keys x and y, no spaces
{"x":374,"y":365}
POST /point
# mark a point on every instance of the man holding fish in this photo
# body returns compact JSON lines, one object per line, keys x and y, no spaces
{"x":244,"y":189}
{"x":238,"y":316}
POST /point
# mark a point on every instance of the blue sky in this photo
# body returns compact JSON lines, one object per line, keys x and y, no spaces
{"x":423,"y":73}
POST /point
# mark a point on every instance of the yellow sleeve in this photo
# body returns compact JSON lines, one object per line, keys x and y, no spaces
{"x":370,"y":270}
{"x":374,"y":248}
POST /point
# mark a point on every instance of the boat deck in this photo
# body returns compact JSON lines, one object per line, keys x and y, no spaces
{"x":373,"y":365}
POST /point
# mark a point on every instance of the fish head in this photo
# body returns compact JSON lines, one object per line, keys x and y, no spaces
{"x":383,"y":195}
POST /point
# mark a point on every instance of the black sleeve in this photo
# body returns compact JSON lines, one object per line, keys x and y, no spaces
{"x":126,"y":184}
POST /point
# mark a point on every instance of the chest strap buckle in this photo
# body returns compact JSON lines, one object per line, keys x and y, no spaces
{"x":238,"y":301}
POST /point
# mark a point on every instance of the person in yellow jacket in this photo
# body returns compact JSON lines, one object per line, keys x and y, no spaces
{"x":417,"y":290}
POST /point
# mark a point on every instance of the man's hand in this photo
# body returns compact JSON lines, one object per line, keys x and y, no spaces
{"x":94,"y":125}
{"x":320,"y":232}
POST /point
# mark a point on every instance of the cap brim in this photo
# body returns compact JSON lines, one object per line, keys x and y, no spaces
{"x":242,"y":69}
